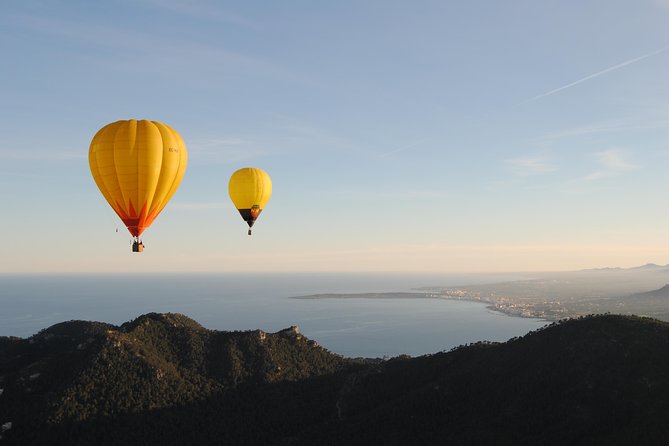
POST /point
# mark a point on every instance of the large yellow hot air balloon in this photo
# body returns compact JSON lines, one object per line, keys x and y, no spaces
{"x":250,"y":189}
{"x":137,"y":166}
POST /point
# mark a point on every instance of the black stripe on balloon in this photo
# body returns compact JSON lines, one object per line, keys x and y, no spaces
{"x":250,"y":215}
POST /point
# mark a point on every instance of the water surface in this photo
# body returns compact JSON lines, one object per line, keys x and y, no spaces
{"x":351,"y":327}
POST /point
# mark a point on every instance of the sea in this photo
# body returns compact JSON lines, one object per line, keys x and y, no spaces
{"x":360,"y":327}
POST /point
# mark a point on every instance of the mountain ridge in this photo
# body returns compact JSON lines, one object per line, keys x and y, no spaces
{"x":164,"y":379}
{"x":660,"y":293}
{"x":646,"y":267}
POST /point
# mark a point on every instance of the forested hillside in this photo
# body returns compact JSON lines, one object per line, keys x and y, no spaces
{"x":164,"y":379}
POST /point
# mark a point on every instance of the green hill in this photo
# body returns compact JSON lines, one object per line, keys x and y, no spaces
{"x":164,"y":379}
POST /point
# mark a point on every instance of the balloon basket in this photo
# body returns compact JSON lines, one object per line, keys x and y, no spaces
{"x":137,"y":247}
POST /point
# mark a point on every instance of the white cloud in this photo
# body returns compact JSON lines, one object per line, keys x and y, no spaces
{"x":198,"y":206}
{"x":612,"y":162}
{"x":157,"y":54}
{"x":44,"y":155}
{"x":225,"y":150}
{"x":202,"y":10}
{"x":382,"y":193}
{"x":629,"y":125}
{"x":401,"y":148}
{"x":530,"y":165}
{"x":662,"y":3}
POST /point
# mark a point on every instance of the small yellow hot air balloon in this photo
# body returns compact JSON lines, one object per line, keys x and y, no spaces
{"x":250,"y":189}
{"x":138,"y":166}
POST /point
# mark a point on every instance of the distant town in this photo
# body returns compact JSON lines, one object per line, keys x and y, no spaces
{"x":641,"y":291}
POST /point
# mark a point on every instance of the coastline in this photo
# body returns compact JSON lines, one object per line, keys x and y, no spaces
{"x":504,"y":307}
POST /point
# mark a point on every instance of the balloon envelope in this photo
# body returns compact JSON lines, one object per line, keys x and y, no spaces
{"x":250,"y":189}
{"x":138,"y":166}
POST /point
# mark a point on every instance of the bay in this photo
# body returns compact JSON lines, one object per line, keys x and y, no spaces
{"x":351,"y":327}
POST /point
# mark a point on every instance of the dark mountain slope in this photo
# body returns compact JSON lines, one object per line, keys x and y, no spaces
{"x":163,"y":379}
{"x":82,"y":371}
{"x":597,"y":380}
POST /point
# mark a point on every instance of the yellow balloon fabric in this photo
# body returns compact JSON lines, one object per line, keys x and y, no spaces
{"x":138,"y":166}
{"x":250,"y":189}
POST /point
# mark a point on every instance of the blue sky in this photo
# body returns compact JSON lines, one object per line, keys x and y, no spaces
{"x":440,"y":136}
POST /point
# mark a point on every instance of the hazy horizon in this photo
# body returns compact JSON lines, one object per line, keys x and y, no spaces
{"x":432,"y":273}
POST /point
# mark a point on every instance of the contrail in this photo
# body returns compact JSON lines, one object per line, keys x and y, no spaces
{"x":599,"y":73}
{"x":402,"y":148}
